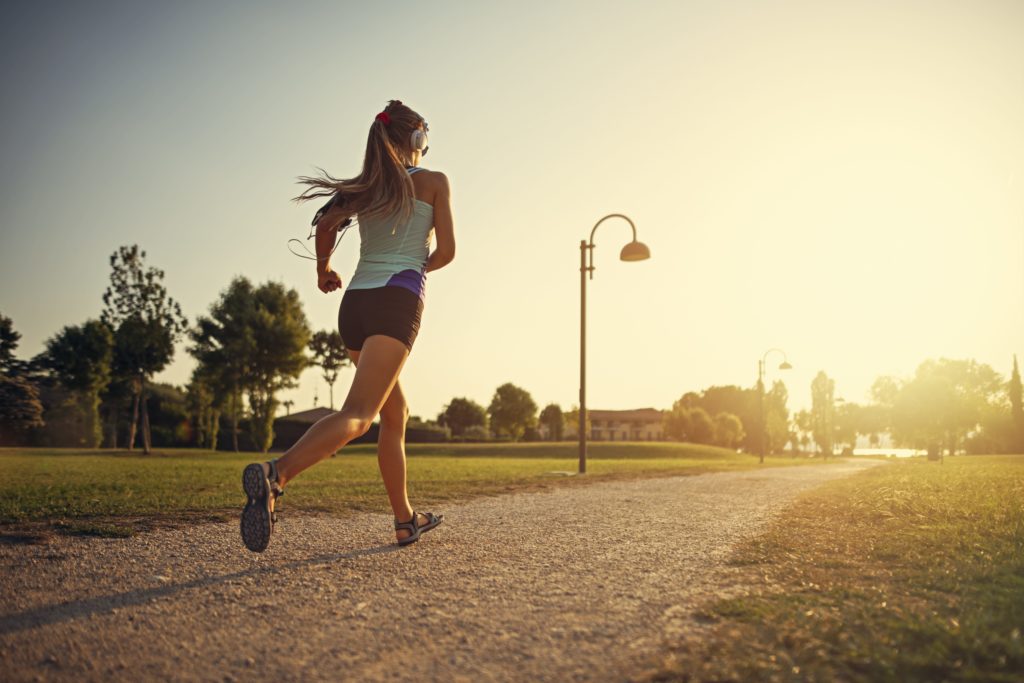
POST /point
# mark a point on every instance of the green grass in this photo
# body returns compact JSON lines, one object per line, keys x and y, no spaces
{"x":907,"y":572}
{"x":107,"y":490}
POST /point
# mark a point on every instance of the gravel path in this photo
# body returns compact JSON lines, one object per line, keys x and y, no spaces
{"x":577,"y":584}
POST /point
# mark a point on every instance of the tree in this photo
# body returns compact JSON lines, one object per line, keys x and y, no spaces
{"x":1016,"y":407}
{"x":743,"y":403}
{"x":701,"y":428}
{"x":204,"y":407}
{"x":572,"y":420}
{"x":823,"y":412}
{"x":676,"y":421}
{"x":687,"y":421}
{"x":461,"y":414}
{"x":329,"y":353}
{"x":512,"y":410}
{"x":79,"y":357}
{"x":941,"y":404}
{"x":223,"y":344}
{"x":146,"y":323}
{"x":551,"y":417}
{"x":804,"y":428}
{"x":776,"y":417}
{"x":20,"y":407}
{"x":848,"y":420}
{"x":280,"y":332}
{"x":872,"y":421}
{"x":9,"y":365}
{"x":728,"y":430}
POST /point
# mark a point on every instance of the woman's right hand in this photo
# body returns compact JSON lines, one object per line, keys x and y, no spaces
{"x":328,"y":280}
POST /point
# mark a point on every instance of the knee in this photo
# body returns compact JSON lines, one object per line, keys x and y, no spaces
{"x":395,"y":419}
{"x":356,"y":423}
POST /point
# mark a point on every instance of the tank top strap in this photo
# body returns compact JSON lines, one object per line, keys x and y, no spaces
{"x":413,"y":169}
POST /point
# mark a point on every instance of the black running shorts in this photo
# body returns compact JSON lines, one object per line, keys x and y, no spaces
{"x":391,"y":310}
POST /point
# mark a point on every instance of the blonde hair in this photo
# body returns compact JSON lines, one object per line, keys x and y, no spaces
{"x":384,"y":188}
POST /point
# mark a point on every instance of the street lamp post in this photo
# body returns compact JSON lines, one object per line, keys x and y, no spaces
{"x":784,"y":365}
{"x":634,"y":251}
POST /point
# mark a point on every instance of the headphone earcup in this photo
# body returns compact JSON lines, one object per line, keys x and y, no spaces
{"x":418,"y":140}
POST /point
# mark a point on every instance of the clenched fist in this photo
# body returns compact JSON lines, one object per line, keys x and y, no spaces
{"x":328,"y":281}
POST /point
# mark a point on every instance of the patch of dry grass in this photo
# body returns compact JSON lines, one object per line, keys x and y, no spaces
{"x":908,"y":572}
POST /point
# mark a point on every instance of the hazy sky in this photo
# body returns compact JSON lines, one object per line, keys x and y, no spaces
{"x":844,"y":180}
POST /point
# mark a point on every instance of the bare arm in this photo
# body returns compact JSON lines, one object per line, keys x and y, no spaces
{"x":444,"y":227}
{"x":326,"y":235}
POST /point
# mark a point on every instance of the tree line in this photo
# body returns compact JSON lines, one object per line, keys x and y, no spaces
{"x":93,"y":384}
{"x":947,"y":406}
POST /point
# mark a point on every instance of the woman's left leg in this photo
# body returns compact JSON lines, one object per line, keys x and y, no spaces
{"x":394,"y":416}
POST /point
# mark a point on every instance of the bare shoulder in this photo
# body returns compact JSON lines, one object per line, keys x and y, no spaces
{"x":437,"y":180}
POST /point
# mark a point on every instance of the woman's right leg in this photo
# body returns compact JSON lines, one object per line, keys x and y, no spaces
{"x":380,"y":361}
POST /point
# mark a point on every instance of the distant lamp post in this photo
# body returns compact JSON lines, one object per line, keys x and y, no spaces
{"x":634,"y":251}
{"x":784,"y":365}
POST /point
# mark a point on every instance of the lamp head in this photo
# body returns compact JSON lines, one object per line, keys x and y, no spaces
{"x":635,"y":251}
{"x":785,"y":365}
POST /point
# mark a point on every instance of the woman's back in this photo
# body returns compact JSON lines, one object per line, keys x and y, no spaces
{"x":393,"y":252}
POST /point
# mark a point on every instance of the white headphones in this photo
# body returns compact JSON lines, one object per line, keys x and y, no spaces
{"x":419,"y":140}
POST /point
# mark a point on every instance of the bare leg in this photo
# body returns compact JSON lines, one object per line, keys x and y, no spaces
{"x":381,"y":359}
{"x":394,"y":416}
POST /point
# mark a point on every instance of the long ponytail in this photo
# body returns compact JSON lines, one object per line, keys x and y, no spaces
{"x":384,"y":187}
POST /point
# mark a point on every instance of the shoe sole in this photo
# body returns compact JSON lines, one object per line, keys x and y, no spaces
{"x":256,"y":524}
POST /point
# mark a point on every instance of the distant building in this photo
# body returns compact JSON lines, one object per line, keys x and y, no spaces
{"x":640,"y":424}
{"x":290,"y":428}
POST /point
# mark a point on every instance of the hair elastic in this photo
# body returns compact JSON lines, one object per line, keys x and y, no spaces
{"x":384,"y":117}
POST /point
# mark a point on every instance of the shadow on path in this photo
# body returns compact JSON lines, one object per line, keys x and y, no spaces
{"x":54,"y":614}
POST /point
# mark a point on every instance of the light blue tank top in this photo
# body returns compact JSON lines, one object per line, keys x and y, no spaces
{"x":393,"y":253}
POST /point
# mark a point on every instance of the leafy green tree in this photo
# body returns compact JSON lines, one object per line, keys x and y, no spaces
{"x":728,"y":430}
{"x":20,"y":408}
{"x":512,"y":410}
{"x":743,"y":403}
{"x":943,"y":402}
{"x":551,"y":417}
{"x":146,"y":323}
{"x":169,"y":415}
{"x":280,"y":332}
{"x":676,"y":422}
{"x":329,"y":353}
{"x":224,"y":346}
{"x":823,"y":410}
{"x":687,"y":421}
{"x":79,"y":357}
{"x":203,"y":408}
{"x":9,"y":365}
{"x":461,"y":414}
{"x":477,"y":433}
{"x":701,"y":428}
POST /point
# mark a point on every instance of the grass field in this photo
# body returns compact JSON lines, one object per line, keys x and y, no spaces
{"x":908,"y":572}
{"x":114,"y":492}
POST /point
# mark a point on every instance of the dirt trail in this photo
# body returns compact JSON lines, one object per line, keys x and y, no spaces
{"x":577,"y":584}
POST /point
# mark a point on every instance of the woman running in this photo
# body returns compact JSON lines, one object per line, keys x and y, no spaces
{"x":398,"y":205}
